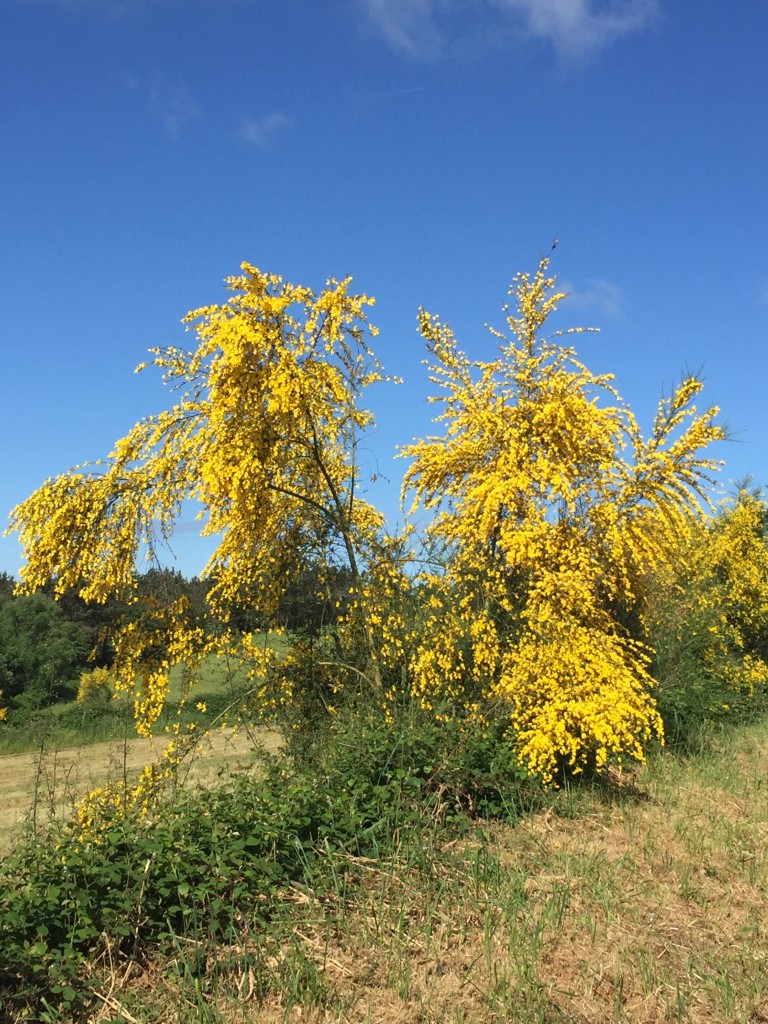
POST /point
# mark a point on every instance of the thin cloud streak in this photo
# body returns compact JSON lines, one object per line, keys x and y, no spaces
{"x":575,"y":28}
{"x":260,"y":132}
{"x":600,"y":295}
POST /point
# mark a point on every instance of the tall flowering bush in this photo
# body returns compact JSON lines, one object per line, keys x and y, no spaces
{"x":555,"y":510}
{"x":554,"y":513}
{"x":708,"y":610}
{"x":263,"y":439}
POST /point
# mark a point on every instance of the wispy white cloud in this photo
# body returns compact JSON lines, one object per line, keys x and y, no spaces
{"x":167,"y":97}
{"x":599,"y":295}
{"x":410,"y":25}
{"x":575,"y":28}
{"x":261,"y":131}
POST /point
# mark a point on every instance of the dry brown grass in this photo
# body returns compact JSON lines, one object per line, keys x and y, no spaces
{"x":47,"y":785}
{"x":645,"y":902}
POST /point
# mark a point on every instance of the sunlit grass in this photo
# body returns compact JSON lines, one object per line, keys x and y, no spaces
{"x":218,"y":683}
{"x":640,"y":897}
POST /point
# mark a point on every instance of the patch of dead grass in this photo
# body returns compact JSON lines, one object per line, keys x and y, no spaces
{"x":47,"y":786}
{"x":645,"y":903}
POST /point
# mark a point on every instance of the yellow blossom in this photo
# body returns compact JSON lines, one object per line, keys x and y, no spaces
{"x":554,"y":510}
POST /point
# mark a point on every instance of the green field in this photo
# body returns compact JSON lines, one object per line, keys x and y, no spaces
{"x":219,"y":683}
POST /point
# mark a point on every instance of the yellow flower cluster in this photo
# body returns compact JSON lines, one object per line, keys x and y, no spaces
{"x":554,"y":510}
{"x":577,"y":695}
{"x":713,"y":598}
{"x":96,"y":685}
{"x":95,"y":813}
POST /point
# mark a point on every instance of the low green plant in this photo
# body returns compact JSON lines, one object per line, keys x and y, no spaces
{"x":462,"y":768}
{"x":197,"y":867}
{"x":209,"y":864}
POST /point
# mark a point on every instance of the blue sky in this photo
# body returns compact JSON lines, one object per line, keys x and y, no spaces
{"x":430,"y":148}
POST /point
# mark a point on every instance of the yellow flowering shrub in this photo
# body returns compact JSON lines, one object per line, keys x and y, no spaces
{"x":262,"y":439}
{"x":554,"y":509}
{"x":97,"y":685}
{"x":709,"y":608}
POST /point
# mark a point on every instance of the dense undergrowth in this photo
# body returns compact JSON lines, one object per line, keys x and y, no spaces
{"x":209,"y":864}
{"x":214,"y":884}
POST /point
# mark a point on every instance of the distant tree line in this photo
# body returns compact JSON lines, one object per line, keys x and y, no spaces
{"x":45,"y":643}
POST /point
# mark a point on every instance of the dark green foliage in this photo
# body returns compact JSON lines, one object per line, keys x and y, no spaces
{"x":157,"y":586}
{"x":7,"y":587}
{"x":459,"y":768}
{"x":206,"y":864}
{"x":312,"y":601}
{"x":41,"y":652}
{"x":696,"y":706}
{"x":162,"y":586}
{"x":94,"y":620}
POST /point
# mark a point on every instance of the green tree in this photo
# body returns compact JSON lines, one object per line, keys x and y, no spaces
{"x":95,"y":619}
{"x":7,"y":587}
{"x":41,"y":652}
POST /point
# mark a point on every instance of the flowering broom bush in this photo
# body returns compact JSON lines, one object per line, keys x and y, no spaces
{"x":552,"y":509}
{"x":708,"y":615}
{"x":555,"y":510}
{"x":264,"y":441}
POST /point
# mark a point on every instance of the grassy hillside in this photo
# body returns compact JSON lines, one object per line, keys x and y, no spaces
{"x":72,"y":723}
{"x":643,"y":898}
